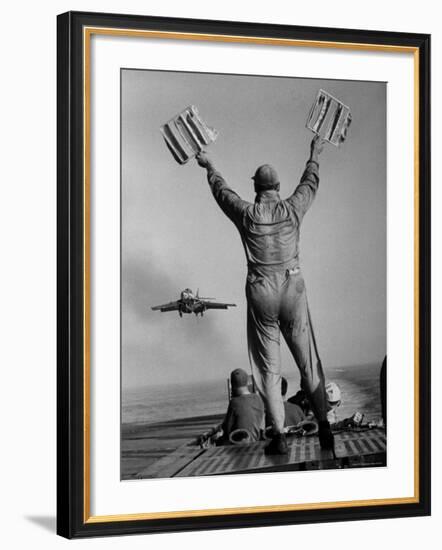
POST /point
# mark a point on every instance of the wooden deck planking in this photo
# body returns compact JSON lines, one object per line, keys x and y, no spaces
{"x":171,"y":464}
{"x":190,"y":460}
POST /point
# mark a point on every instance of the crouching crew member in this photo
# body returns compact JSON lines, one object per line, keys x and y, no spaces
{"x":245,"y":413}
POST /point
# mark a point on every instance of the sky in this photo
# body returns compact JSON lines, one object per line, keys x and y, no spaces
{"x":175,"y":236}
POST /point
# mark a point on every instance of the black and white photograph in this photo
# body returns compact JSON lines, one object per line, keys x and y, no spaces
{"x":253,"y":274}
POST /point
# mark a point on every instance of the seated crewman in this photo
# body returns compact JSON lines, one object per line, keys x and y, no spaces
{"x":333,"y":401}
{"x":334,"y":398}
{"x":245,"y":411}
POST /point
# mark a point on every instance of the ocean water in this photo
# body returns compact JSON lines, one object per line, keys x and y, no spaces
{"x":147,"y":405}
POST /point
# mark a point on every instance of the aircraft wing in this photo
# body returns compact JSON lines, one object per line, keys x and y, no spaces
{"x":171,"y":306}
{"x":217,"y":305}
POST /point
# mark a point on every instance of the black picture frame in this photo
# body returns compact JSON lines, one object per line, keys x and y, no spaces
{"x":73,"y":520}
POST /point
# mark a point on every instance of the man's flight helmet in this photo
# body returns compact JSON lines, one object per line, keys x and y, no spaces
{"x":266,"y":178}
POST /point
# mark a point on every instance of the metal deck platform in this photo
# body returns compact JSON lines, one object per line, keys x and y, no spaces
{"x":352,"y":448}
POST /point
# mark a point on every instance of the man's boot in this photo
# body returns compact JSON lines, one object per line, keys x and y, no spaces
{"x":326,"y":437}
{"x":277,"y":446}
{"x":319,"y":404}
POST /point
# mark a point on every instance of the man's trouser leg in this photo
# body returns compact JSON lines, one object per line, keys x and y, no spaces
{"x":263,"y":338}
{"x":297,"y":330}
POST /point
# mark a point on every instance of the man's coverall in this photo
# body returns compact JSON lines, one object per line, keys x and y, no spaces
{"x":275,"y":289}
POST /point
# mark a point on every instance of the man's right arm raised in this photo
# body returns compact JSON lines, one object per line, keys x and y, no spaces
{"x":229,"y":201}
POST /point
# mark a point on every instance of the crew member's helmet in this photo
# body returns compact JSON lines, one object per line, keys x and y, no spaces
{"x":333,"y":393}
{"x":266,"y":178}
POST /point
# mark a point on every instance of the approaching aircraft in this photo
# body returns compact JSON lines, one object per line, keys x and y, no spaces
{"x":192,"y":303}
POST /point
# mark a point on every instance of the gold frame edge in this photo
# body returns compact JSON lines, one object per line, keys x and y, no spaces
{"x":87,"y":33}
